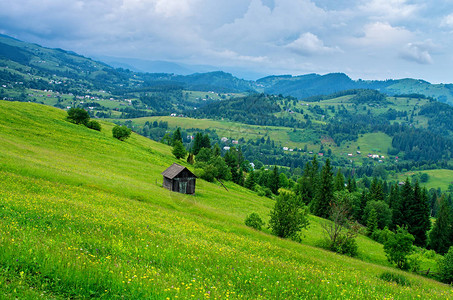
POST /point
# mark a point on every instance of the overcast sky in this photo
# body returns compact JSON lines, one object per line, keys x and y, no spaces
{"x":368,"y":39}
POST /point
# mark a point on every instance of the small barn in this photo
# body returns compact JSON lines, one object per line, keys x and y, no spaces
{"x":178,"y":178}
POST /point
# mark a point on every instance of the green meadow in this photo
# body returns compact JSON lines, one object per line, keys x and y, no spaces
{"x":83,"y":215}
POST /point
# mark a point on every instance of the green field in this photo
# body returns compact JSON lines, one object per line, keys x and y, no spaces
{"x":229,"y":129}
{"x":439,"y":178}
{"x":83,"y":215}
{"x":375,"y":143}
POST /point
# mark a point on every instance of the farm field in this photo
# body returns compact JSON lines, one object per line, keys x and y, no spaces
{"x":83,"y":215}
{"x":439,"y":178}
{"x":376,"y":143}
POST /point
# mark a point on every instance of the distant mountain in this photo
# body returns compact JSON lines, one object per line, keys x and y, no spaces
{"x":313,"y":84}
{"x":39,"y":67}
{"x":153,"y":66}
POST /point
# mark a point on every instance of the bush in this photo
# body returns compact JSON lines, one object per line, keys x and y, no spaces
{"x":78,"y":115}
{"x":396,"y":278}
{"x":340,"y":232}
{"x":93,"y":124}
{"x":398,"y":247}
{"x":287,"y":218}
{"x":446,"y":267}
{"x":254,"y":221}
{"x":381,"y":236}
{"x":121,"y":132}
{"x":345,"y":245}
{"x":263,"y":191}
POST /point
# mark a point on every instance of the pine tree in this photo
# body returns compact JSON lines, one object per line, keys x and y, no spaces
{"x":250,"y":181}
{"x":434,"y":205}
{"x":216,"y":150}
{"x":197,"y":143}
{"x":440,"y":235}
{"x":372,"y":222}
{"x":376,"y":190}
{"x":274,"y":181}
{"x":418,"y":215}
{"x":178,"y":150}
{"x":176,"y":136}
{"x":359,"y":213}
{"x":339,"y":181}
{"x":205,"y":142}
{"x":395,"y":205}
{"x":190,"y":159}
{"x":406,"y":195}
{"x":324,"y":193}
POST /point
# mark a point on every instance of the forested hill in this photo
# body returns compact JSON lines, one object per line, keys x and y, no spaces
{"x":420,"y":128}
{"x":313,"y":84}
{"x":32,"y":66}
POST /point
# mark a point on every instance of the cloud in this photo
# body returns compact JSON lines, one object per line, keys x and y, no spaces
{"x":309,"y":44}
{"x":276,"y":35}
{"x":389,"y":10}
{"x":418,"y":52}
{"x":266,"y":26}
{"x":382,"y":34}
{"x":447,"y":21}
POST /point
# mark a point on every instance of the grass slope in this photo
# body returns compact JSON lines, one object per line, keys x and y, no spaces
{"x":83,"y":215}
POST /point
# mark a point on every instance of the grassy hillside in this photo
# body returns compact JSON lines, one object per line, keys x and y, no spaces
{"x":83,"y":215}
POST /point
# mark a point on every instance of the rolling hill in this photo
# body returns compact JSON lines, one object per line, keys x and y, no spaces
{"x":84,"y":215}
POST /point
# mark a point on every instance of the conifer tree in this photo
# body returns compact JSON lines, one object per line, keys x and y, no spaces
{"x":205,"y":141}
{"x":216,"y":150}
{"x":250,"y":181}
{"x":376,"y":190}
{"x":304,"y":188}
{"x":197,"y":143}
{"x":324,"y":193}
{"x":395,"y":206}
{"x":406,"y":195}
{"x":178,"y":150}
{"x":393,"y":196}
{"x":190,"y":159}
{"x":418,"y":215}
{"x":359,"y":213}
{"x":176,"y":136}
{"x":372,"y":223}
{"x":339,"y":181}
{"x":440,"y":236}
{"x":434,"y":204}
{"x":274,"y":181}
{"x":352,"y":184}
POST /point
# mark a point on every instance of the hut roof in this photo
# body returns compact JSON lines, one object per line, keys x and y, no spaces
{"x":173,"y":171}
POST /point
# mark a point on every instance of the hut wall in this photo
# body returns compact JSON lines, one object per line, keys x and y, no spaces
{"x":168,"y":183}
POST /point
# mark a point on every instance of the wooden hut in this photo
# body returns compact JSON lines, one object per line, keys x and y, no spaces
{"x":178,"y":178}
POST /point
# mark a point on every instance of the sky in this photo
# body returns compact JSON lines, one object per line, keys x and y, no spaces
{"x":367,"y":39}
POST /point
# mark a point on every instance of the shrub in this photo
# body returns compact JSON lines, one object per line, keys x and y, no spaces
{"x":396,"y":278}
{"x":254,"y":221}
{"x":93,"y":124}
{"x":263,"y":191}
{"x":287,"y":218}
{"x":398,"y":247}
{"x":121,"y":132}
{"x":446,"y":267}
{"x":340,"y":232}
{"x":381,"y":236}
{"x":78,"y":115}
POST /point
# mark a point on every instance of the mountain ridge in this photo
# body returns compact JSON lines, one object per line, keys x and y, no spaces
{"x":23,"y":57}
